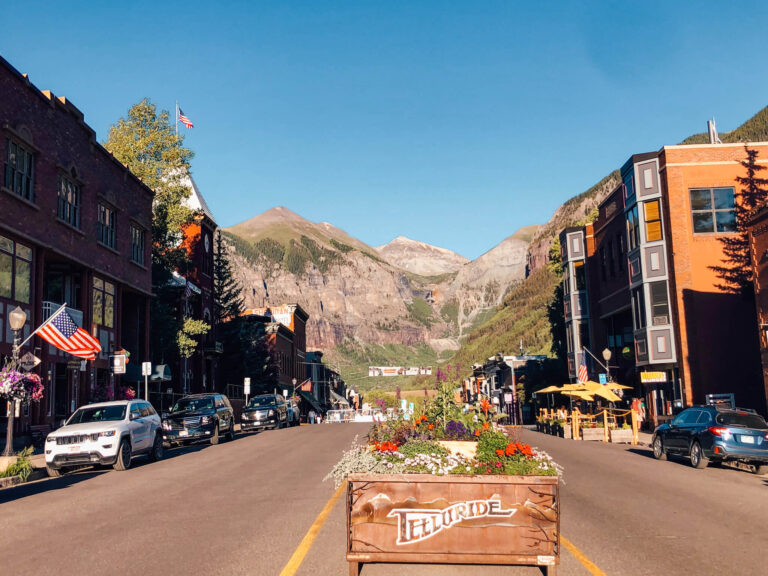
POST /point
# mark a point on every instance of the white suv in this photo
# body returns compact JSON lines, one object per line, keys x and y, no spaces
{"x":108,"y":433}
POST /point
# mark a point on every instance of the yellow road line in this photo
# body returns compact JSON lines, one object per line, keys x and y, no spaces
{"x":579,"y":555}
{"x":309,"y":538}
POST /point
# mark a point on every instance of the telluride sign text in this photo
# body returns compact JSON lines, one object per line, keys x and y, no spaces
{"x":419,"y":524}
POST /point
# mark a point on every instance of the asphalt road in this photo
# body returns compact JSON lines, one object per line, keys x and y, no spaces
{"x":243,"y":507}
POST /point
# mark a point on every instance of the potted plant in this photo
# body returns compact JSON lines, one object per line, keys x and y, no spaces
{"x":591,"y":431}
{"x":412,"y":498}
{"x":622,"y":434}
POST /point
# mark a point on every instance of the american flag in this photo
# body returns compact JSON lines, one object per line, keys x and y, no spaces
{"x":583,"y":373}
{"x":63,"y":333}
{"x":184,"y":120}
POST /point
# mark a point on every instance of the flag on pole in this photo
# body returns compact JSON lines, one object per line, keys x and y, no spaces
{"x":184,"y":120}
{"x":64,"y":334}
{"x":583,"y":372}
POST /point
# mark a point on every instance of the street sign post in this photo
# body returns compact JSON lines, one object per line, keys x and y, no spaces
{"x":118,"y":364}
{"x":246,"y":388}
{"x":146,"y":370}
{"x":28,"y":361}
{"x":603,"y":379}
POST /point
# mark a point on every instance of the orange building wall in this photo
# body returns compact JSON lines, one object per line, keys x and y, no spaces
{"x":717,"y":332}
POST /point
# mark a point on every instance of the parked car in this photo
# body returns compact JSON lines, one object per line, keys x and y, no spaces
{"x":264,"y":411}
{"x":294,"y":414}
{"x":199,"y":417}
{"x":709,"y":434}
{"x":108,"y":433}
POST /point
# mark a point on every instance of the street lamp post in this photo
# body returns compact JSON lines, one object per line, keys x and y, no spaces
{"x":607,"y":357}
{"x":16,"y":319}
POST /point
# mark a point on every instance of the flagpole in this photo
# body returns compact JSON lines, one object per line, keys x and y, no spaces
{"x":59,"y":311}
{"x":176,"y":120}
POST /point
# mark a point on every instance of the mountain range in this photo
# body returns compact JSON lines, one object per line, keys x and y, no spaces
{"x":405,"y":292}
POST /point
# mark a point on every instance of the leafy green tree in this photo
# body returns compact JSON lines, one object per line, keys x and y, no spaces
{"x":736,"y":270}
{"x":145,"y":142}
{"x":257,"y":361}
{"x":186,"y":338}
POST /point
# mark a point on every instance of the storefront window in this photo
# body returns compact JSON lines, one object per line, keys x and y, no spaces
{"x":15,"y":270}
{"x":103,"y":303}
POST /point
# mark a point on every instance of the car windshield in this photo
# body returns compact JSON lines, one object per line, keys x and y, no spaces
{"x":261,"y":401}
{"x":744,"y":419}
{"x":98,"y":414}
{"x":193,"y":404}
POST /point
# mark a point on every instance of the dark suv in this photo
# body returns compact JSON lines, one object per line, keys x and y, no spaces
{"x":708,"y":434}
{"x":264,"y":411}
{"x":199,"y":417}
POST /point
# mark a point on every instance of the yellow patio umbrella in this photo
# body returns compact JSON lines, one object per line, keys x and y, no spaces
{"x":591,"y":385}
{"x":548,"y":390}
{"x":583,"y":394}
{"x":603,"y":392}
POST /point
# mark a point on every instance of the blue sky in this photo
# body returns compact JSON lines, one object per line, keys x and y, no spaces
{"x":453,"y":123}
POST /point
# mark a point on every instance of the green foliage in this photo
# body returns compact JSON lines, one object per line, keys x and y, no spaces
{"x":374,"y":397}
{"x":186,"y":337}
{"x":145,"y":142}
{"x":227,"y":292}
{"x":414,"y":447}
{"x":341,"y":247}
{"x":443,"y":408}
{"x":256,"y":360}
{"x":296,"y":258}
{"x":373,"y":257}
{"x":22,"y":467}
{"x":270,"y":248}
{"x":753,"y":130}
{"x":555,"y":263}
{"x":450,"y":312}
{"x":421,"y":312}
{"x":488,"y":443}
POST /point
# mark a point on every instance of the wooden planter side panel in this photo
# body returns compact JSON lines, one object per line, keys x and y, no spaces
{"x":622,"y":435}
{"x":453,"y":519}
{"x":593,"y":434}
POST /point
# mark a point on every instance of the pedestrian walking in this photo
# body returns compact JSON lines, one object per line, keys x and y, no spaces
{"x":311,"y":416}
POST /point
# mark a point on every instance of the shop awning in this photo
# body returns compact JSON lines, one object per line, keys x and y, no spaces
{"x":311,"y":399}
{"x":338,"y":399}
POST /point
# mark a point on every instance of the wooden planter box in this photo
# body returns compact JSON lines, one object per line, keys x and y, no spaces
{"x":621,"y":435}
{"x":421,"y":518}
{"x":593,"y":434}
{"x":566,"y":431}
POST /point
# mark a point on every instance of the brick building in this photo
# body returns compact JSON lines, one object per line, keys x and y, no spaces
{"x":75,"y":228}
{"x":639,"y":281}
{"x":758,"y":236}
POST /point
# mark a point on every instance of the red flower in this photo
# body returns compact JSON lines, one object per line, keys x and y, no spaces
{"x":486,"y":425}
{"x":510,"y":449}
{"x":500,"y":452}
{"x":431,"y":426}
{"x":485,"y":405}
{"x":477,"y":432}
{"x":488,"y":471}
{"x":498,"y":464}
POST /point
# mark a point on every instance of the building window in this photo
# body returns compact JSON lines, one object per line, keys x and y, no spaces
{"x":103,"y":303}
{"x":603,"y":263}
{"x":633,"y":229}
{"x":611,"y":259}
{"x":137,"y":244}
{"x":653,"y":231}
{"x":105,"y":227}
{"x":629,"y":188}
{"x":580,"y":275}
{"x":69,"y":202}
{"x":622,"y":252}
{"x":713,"y":210}
{"x":20,"y":171}
{"x":15,"y":270}
{"x":566,"y":280}
{"x":638,"y":308}
{"x":659,"y":303}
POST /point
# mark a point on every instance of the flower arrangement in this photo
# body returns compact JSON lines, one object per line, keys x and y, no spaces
{"x":21,"y":386}
{"x":405,"y":446}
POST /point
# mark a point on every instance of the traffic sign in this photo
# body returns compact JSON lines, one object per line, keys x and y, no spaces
{"x":28,"y":361}
{"x":146,"y":368}
{"x":603,"y":379}
{"x":247,"y":386}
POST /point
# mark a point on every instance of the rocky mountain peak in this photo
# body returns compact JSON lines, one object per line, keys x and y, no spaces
{"x":420,"y":257}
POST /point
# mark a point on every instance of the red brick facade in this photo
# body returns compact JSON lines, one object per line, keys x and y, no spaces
{"x":57,"y":185}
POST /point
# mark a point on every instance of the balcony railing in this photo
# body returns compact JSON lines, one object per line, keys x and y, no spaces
{"x":50,"y":307}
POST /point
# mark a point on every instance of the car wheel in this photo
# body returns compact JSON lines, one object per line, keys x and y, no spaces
{"x":231,"y":434}
{"x":215,"y":437}
{"x":698,"y":460}
{"x":157,"y":449}
{"x":761,"y":469}
{"x":123,"y":461}
{"x":54,"y":472}
{"x":658,"y":449}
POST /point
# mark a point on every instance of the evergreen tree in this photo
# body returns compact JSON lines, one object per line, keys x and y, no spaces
{"x":227,"y":292}
{"x":736,"y":270}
